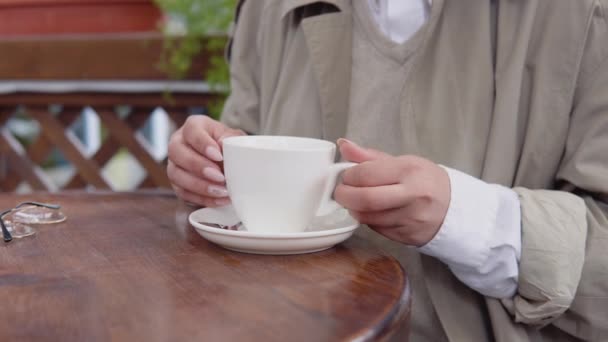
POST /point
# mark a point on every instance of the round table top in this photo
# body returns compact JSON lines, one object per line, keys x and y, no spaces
{"x":128,"y":267}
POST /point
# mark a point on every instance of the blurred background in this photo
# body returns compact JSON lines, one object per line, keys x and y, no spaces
{"x":91,"y":90}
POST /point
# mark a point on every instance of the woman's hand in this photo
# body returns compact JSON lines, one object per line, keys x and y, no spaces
{"x":404,"y":198}
{"x":195,"y":161}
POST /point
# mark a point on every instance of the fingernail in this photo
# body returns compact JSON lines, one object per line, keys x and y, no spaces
{"x":223,"y":202}
{"x":214,"y":154}
{"x":343,"y":141}
{"x":217,"y":191}
{"x":213,"y":175}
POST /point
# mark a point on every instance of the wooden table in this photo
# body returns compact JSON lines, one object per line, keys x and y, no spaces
{"x":128,"y":267}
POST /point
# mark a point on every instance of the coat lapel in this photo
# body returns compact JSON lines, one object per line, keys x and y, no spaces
{"x":453,"y":69}
{"x":329,"y":40}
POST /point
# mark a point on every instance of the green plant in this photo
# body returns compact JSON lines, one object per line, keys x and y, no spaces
{"x":194,"y":27}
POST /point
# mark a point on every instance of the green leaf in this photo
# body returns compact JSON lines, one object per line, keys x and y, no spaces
{"x":206,"y":23}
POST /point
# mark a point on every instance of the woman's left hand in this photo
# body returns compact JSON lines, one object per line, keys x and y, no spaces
{"x":404,"y":198}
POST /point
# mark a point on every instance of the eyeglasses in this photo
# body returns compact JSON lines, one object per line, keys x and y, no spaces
{"x":15,"y":222}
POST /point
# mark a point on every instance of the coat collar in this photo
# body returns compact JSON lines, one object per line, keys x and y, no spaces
{"x":291,"y":5}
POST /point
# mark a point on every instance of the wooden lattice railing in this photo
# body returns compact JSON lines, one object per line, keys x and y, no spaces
{"x":77,"y":59}
{"x":23,"y":163}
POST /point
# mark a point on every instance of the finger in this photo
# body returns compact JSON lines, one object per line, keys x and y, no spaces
{"x":374,"y":173}
{"x":400,"y":234}
{"x":384,"y":218}
{"x":230,"y":133}
{"x":372,"y":198}
{"x":198,"y":199}
{"x":181,"y":178}
{"x":202,"y":134}
{"x":183,"y":156}
{"x":357,"y":154}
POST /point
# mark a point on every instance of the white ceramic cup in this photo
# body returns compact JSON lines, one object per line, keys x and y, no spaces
{"x":279,"y":184}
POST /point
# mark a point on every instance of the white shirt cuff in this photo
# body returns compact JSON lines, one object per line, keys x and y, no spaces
{"x":480,"y":238}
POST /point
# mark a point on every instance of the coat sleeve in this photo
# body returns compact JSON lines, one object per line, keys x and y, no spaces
{"x":241,"y":109}
{"x":564,"y":263}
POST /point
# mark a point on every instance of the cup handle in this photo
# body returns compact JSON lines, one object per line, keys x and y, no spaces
{"x":328,"y":205}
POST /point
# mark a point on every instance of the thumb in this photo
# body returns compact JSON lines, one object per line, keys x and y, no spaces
{"x":357,"y":154}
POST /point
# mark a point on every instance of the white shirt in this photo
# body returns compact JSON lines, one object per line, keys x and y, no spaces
{"x":480,"y":238}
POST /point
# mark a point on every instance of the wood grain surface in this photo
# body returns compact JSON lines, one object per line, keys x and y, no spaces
{"x":128,"y":267}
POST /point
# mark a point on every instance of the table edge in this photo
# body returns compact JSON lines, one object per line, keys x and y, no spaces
{"x":397,"y":315}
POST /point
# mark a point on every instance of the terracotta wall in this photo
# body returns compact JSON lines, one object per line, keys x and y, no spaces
{"x":41,"y":17}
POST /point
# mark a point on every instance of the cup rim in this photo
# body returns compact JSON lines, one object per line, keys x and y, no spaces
{"x":241,"y":141}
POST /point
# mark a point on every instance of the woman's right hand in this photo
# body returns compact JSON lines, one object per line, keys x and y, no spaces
{"x":195,"y":161}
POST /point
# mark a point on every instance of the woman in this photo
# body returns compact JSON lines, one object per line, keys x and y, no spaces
{"x":481,"y":129}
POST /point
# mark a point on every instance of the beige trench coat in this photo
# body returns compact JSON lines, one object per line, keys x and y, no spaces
{"x":534,"y":73}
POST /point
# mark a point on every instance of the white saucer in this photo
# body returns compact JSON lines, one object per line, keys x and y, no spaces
{"x":323,"y":233}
